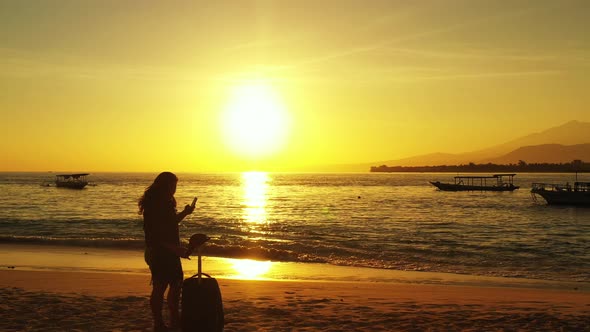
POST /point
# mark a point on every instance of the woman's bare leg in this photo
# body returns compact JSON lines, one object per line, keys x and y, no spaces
{"x":156,"y":302}
{"x":173,"y":303}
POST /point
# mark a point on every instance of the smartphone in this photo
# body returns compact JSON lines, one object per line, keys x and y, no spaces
{"x":194,"y":203}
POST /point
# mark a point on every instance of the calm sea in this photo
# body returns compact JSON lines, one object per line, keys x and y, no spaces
{"x":386,"y":221}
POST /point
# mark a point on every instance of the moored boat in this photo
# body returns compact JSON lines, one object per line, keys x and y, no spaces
{"x":563,"y":194}
{"x":496,"y":182}
{"x":73,"y":181}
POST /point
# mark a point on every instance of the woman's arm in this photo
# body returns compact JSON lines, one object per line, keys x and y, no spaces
{"x":156,"y":227}
{"x":177,"y":250}
{"x":188,"y":209}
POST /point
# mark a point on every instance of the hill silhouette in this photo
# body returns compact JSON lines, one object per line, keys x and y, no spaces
{"x":558,"y":144}
{"x":545,"y":153}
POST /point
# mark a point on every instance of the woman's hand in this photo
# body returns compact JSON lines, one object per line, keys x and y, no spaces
{"x":181,"y":252}
{"x":188,"y":209}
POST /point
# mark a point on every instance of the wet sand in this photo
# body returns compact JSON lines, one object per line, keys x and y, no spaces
{"x":82,"y":301}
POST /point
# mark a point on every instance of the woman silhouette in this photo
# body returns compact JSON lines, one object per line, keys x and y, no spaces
{"x":163,"y":249}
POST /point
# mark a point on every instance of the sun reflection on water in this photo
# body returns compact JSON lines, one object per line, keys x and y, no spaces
{"x":255,"y":186}
{"x":248,"y":269}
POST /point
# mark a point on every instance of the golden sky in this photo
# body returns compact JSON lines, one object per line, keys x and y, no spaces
{"x":148,"y":86}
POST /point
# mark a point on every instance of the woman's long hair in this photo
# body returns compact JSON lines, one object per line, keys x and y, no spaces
{"x":158,"y":191}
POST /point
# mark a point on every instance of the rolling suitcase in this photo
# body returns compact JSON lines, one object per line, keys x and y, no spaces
{"x":201,"y":303}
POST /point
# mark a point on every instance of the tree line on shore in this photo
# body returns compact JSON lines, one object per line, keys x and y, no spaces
{"x":521,"y":166}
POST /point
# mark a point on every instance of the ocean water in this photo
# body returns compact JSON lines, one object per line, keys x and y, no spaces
{"x":385,"y":221}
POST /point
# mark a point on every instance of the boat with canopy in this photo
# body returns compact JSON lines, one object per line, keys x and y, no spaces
{"x":496,"y":182}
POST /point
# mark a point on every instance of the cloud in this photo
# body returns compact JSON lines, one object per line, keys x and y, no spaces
{"x":478,"y":75}
{"x":20,"y":64}
{"x":468,"y":52}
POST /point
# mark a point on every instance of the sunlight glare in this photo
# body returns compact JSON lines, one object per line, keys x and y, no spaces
{"x":255,"y":121}
{"x":249,"y":269}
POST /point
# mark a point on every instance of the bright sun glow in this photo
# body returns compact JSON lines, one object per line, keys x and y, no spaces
{"x":250,"y":269}
{"x":255,"y":121}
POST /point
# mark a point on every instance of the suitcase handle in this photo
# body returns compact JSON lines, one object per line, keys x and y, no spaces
{"x":198,"y":275}
{"x":196,"y":242}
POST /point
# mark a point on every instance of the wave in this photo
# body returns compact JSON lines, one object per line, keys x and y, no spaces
{"x":215,"y":248}
{"x":260,"y":253}
{"x":408,"y":259}
{"x":212,"y":249}
{"x":76,"y":242}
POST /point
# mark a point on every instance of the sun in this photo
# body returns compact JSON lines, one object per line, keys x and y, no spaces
{"x":255,"y":121}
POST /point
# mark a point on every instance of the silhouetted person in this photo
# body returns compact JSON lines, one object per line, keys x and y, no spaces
{"x":163,"y":249}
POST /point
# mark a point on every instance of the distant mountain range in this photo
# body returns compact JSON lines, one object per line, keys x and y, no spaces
{"x":555,"y":145}
{"x":546,"y":153}
{"x":560,"y":144}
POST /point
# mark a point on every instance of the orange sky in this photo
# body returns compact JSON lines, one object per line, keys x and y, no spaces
{"x":142,"y":86}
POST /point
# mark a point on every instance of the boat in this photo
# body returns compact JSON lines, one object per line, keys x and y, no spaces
{"x":496,"y":182}
{"x":73,"y":181}
{"x":563,"y":194}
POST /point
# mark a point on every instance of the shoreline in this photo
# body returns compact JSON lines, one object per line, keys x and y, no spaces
{"x":27,"y":257}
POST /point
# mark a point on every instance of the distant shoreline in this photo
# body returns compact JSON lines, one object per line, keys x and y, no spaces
{"x":521,"y":167}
